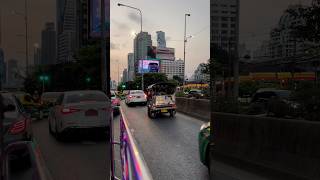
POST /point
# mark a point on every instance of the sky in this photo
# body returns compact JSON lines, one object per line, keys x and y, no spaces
{"x":257,"y":17}
{"x":164,"y":15}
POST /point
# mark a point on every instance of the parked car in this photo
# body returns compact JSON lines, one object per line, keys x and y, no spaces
{"x":136,"y":97}
{"x":115,"y":103}
{"x":16,"y":122}
{"x":203,"y":142}
{"x":47,"y":101}
{"x":195,"y":93}
{"x":78,"y":111}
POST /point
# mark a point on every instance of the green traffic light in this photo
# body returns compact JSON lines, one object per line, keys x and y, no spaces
{"x":88,"y":79}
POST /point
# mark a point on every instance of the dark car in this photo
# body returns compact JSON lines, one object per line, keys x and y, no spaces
{"x":273,"y":102}
{"x":16,"y":122}
{"x":153,"y":67}
{"x":195,"y":93}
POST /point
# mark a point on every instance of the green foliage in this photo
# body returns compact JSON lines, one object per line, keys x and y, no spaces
{"x":178,"y":79}
{"x":149,"y":79}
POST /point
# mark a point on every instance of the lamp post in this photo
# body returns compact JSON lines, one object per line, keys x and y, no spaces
{"x":184,"y":46}
{"x":140,"y":12}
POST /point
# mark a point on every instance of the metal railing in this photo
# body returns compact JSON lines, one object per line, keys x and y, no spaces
{"x":133,"y":165}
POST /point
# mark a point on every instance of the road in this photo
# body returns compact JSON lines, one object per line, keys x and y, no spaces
{"x":168,"y":145}
{"x":81,"y":158}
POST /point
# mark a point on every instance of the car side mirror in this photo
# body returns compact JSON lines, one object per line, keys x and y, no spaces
{"x":10,"y":108}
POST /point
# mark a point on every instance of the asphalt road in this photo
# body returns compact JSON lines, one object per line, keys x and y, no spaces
{"x":79,"y":158}
{"x":169,"y":145}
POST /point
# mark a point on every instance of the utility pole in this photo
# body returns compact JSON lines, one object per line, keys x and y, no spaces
{"x":184,"y":46}
{"x":27,"y":40}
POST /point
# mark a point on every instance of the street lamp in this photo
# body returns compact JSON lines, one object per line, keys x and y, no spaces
{"x":25,"y":14}
{"x":124,"y":5}
{"x":184,"y":45}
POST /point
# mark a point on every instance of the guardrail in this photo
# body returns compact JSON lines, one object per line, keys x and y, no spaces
{"x":133,"y":165}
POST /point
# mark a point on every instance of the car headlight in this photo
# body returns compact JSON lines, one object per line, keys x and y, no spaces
{"x":204,"y":126}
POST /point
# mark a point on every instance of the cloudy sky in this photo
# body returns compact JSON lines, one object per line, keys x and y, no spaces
{"x":257,"y":17}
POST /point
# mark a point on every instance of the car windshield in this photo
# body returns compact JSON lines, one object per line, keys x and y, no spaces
{"x":283,"y":94}
{"x":84,"y":97}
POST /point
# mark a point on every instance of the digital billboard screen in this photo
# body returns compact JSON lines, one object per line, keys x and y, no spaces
{"x":149,"y":66}
{"x":95,"y":18}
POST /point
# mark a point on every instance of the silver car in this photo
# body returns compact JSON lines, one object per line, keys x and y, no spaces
{"x":80,"y":110}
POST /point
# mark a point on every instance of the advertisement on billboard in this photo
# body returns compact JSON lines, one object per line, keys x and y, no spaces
{"x":149,"y":66}
{"x":165,"y":53}
{"x":95,"y":18}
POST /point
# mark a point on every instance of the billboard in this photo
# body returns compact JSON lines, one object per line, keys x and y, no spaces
{"x":165,"y":53}
{"x":149,"y":66}
{"x":95,"y":18}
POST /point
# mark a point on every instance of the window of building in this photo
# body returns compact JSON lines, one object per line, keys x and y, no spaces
{"x":233,"y":25}
{"x":233,"y":19}
{"x":224,"y":12}
{"x":224,"y":25}
{"x":224,"y":18}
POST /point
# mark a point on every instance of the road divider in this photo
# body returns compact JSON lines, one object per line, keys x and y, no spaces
{"x":198,"y":108}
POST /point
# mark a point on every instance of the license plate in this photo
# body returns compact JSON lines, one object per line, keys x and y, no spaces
{"x":91,"y":113}
{"x":164,"y":110}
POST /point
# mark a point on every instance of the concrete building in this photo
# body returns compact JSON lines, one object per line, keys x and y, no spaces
{"x":224,"y":23}
{"x":172,"y":68}
{"x":48,"y":44}
{"x":130,"y":67}
{"x":37,"y":56}
{"x":125,"y":75}
{"x":199,"y":76}
{"x":140,"y":46}
{"x":72,"y":28}
{"x":12,"y":70}
{"x":3,"y":68}
{"x":161,"y":39}
{"x":282,"y":42}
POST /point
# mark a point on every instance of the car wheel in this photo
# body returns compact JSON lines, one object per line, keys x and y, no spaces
{"x":151,"y":114}
{"x":172,"y":113}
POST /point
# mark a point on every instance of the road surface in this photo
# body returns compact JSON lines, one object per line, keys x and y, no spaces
{"x":80,"y":158}
{"x":168,"y":145}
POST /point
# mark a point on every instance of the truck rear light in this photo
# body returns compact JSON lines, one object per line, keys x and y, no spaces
{"x":18,"y":127}
{"x":69,"y":110}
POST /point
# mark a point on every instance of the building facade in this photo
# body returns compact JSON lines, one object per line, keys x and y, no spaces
{"x":3,"y":68}
{"x":161,"y":39}
{"x":224,"y":24}
{"x":48,"y":44}
{"x":125,"y":75}
{"x":172,"y":68}
{"x":141,"y":43}
{"x":131,"y":67}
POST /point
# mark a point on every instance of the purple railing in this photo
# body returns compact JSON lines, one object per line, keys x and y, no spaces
{"x":133,"y":165}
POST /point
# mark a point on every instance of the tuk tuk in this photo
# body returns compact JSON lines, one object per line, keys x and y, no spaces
{"x":30,"y":105}
{"x":161,"y":99}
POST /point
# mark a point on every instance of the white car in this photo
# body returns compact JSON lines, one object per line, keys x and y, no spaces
{"x":76,"y":111}
{"x":136,"y":97}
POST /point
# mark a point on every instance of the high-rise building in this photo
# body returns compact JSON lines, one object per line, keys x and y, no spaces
{"x":224,"y":23}
{"x":172,"y":68}
{"x":141,"y":43}
{"x":37,"y":56}
{"x":72,"y":28}
{"x":125,"y":75}
{"x":3,"y":68}
{"x":12,"y":72}
{"x":161,"y":39}
{"x":48,"y":44}
{"x":130,"y":66}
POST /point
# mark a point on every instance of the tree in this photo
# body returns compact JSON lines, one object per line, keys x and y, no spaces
{"x":149,"y":79}
{"x":178,"y":79}
{"x":310,"y":29}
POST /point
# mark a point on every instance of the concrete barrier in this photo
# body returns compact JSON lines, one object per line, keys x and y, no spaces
{"x":198,"y":108}
{"x":287,"y":146}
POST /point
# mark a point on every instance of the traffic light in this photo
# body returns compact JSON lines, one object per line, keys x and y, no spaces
{"x":88,"y":79}
{"x":44,"y":78}
{"x":123,"y":86}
